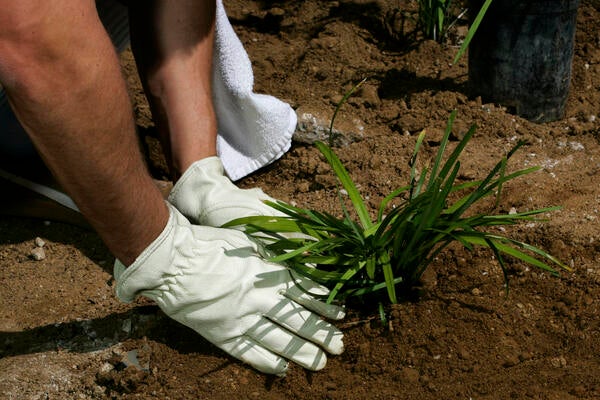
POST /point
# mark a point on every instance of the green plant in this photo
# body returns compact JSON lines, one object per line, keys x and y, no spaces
{"x":472,"y":29}
{"x":392,"y":250}
{"x":433,"y":18}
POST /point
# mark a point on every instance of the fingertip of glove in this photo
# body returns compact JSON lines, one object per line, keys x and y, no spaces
{"x":335,"y":345}
{"x":319,"y":363}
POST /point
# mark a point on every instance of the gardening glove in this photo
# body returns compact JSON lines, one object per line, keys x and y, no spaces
{"x":207,"y":196}
{"x":214,"y":281}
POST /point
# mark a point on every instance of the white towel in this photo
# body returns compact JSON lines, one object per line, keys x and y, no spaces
{"x":253,"y":129}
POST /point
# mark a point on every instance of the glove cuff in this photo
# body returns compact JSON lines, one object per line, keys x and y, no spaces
{"x":147,"y":270}
{"x":207,"y":174}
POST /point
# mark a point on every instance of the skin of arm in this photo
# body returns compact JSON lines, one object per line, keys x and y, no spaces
{"x":63,"y":80}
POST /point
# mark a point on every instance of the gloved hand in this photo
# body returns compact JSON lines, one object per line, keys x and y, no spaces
{"x":214,"y":281}
{"x":207,"y":196}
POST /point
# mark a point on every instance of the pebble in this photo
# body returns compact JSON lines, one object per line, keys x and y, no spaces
{"x":37,"y":253}
{"x":39,"y":242}
{"x":126,"y":326}
{"x":277,"y":12}
{"x":558,"y":362}
{"x":312,"y":127}
{"x":105,"y":368}
{"x":510,"y":360}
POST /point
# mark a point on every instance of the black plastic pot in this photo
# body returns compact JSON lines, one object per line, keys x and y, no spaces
{"x":521,"y":56}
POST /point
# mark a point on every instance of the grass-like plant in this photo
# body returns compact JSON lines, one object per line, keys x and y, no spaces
{"x":388,"y":253}
{"x":434,"y":18}
{"x":472,"y":29}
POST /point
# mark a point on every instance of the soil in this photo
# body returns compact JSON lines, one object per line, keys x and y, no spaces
{"x":63,"y":334}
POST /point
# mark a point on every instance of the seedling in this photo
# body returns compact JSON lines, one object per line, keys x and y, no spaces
{"x":434,"y":18}
{"x":389,"y":252}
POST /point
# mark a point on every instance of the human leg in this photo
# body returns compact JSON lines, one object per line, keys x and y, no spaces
{"x":63,"y":80}
{"x":173,"y":43}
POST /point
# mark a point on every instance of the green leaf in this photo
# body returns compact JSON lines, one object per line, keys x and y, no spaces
{"x":472,"y":30}
{"x":347,"y":183}
{"x":388,"y":274}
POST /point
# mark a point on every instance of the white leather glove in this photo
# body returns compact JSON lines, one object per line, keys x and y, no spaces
{"x":207,"y":196}
{"x":214,"y":281}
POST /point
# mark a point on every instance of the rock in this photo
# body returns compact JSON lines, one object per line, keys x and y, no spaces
{"x":105,"y":368}
{"x":37,"y":253}
{"x":277,"y":12}
{"x":130,"y":359}
{"x":510,"y":360}
{"x":126,"y":326}
{"x":39,"y":242}
{"x":558,"y":362}
{"x":312,"y":127}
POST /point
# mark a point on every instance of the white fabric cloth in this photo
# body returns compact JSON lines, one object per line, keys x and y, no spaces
{"x":254,"y":129}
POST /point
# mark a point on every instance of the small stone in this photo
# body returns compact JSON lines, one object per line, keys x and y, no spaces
{"x":476,"y":292}
{"x":558,"y":362}
{"x":277,"y":12}
{"x":126,"y":326}
{"x":105,"y":368}
{"x":39,"y":242}
{"x":37,"y":253}
{"x":510,"y":360}
{"x":303,"y":187}
{"x":99,"y":390}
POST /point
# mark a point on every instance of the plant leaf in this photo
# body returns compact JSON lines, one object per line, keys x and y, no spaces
{"x":347,"y":183}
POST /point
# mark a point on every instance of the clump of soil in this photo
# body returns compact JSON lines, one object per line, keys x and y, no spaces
{"x":63,"y":335}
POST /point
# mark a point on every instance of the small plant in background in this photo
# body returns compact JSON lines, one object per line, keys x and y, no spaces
{"x":434,"y":18}
{"x":472,"y":29}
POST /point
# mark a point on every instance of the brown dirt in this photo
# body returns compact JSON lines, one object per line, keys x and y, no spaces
{"x":63,"y":335}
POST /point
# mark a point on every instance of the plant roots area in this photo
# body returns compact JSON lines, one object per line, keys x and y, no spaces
{"x":458,"y":335}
